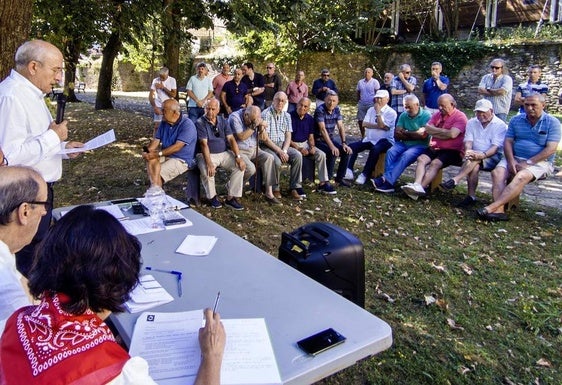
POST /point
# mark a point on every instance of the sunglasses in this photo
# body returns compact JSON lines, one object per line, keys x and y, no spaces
{"x":216,"y":132}
{"x":269,"y":68}
{"x":496,"y":68}
{"x":326,"y":75}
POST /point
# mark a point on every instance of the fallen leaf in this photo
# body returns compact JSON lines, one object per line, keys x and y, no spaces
{"x":466,"y":268}
{"x":463,"y":370}
{"x":429,"y":299}
{"x":443,"y":305}
{"x":544,"y":363}
{"x":453,"y":325}
{"x":440,"y":268}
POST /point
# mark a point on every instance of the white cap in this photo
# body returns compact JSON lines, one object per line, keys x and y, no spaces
{"x":382,"y":94}
{"x":483,"y":105}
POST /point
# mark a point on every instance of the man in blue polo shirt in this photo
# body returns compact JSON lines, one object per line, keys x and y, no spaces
{"x":172,"y":150}
{"x":529,"y":149}
{"x":532,"y":86}
{"x":434,"y":87}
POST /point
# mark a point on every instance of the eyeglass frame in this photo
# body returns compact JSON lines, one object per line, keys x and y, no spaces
{"x":48,"y":205}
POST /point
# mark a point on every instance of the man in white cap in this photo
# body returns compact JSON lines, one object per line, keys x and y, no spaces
{"x":483,"y":143}
{"x":379,"y":136}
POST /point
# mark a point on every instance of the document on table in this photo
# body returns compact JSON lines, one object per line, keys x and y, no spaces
{"x":147,"y":294}
{"x":98,"y":141}
{"x":169,"y":343}
{"x":112,"y":209}
{"x":197,"y":245}
{"x":171,"y":203}
{"x":144,"y":225}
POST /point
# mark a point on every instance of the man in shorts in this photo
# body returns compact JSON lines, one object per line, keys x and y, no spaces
{"x":163,"y":87}
{"x":172,"y":150}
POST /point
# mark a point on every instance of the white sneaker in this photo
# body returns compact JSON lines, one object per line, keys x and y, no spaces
{"x":361,"y":179}
{"x":410,"y":191}
{"x":419,"y":189}
{"x":348,"y":174}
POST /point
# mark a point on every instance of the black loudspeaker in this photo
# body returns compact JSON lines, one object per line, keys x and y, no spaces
{"x":328,"y":254}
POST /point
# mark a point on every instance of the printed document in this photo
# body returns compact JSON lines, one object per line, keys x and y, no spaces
{"x":169,"y":343}
{"x":98,"y":141}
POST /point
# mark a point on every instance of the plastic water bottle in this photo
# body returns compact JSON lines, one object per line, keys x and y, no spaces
{"x":156,"y":204}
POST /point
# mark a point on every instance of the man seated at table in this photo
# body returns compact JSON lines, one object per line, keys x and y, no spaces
{"x":214,"y":135}
{"x":529,"y":149}
{"x":302,"y":139}
{"x":23,"y":196}
{"x":247,"y":125}
{"x":446,"y":128}
{"x":172,"y":150}
{"x":482,"y":149}
{"x":64,"y":339}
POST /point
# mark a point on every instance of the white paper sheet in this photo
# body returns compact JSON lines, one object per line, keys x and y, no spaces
{"x":197,"y":245}
{"x":147,"y":294}
{"x":144,"y":225}
{"x":169,"y":342}
{"x":98,"y":141}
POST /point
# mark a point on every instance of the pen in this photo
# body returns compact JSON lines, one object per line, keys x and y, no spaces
{"x":164,"y":271}
{"x":180,"y":292}
{"x":216,"y":302}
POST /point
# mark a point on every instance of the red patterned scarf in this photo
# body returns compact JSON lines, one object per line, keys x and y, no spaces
{"x":45,"y":345}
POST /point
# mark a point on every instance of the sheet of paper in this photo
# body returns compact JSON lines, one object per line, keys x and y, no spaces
{"x":144,"y":225}
{"x":98,"y":141}
{"x":113,"y":210}
{"x":197,"y":245}
{"x":169,"y":342}
{"x":147,"y":294}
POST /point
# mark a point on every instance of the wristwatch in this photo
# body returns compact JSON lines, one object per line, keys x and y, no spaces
{"x":238,"y":156}
{"x":159,"y":153}
{"x":529,"y":162}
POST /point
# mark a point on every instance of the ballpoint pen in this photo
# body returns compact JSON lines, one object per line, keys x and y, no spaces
{"x":216,"y":302}
{"x":178,"y":274}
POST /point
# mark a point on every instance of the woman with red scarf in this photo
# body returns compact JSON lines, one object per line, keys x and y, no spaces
{"x":84,"y":270}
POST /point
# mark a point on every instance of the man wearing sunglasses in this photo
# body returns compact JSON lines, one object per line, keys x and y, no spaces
{"x":497,"y":87}
{"x":403,"y":84}
{"x":215,"y":137}
{"x":321,"y":87}
{"x":272,"y":84}
{"x":23,"y":202}
{"x":28,"y":134}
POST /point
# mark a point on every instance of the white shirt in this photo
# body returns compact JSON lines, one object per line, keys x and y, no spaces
{"x":200,"y":87}
{"x":12,"y":294}
{"x":159,"y":95}
{"x":484,"y":138}
{"x":388,"y":116}
{"x":25,"y":137}
{"x":135,"y":372}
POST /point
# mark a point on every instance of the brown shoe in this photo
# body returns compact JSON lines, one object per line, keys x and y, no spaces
{"x":295,"y":195}
{"x":273,"y":201}
{"x":277,"y":194}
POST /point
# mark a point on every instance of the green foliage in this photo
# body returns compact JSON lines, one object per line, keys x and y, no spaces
{"x":519,"y":34}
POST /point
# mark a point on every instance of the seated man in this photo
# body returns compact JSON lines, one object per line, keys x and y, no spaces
{"x":328,"y":117}
{"x":482,"y":149}
{"x":248,"y":127}
{"x":379,"y":125}
{"x":23,"y":196}
{"x":411,"y":141}
{"x":529,"y":149}
{"x":214,"y":134}
{"x":279,"y":129}
{"x":446,"y":128}
{"x":172,"y":151}
{"x":302,"y":139}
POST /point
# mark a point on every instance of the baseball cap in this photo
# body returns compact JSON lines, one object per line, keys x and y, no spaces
{"x":382,"y":94}
{"x":483,"y":105}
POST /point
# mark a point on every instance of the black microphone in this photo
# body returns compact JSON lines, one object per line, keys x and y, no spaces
{"x":61,"y":104}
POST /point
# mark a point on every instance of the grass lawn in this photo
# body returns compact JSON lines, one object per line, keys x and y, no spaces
{"x":469,"y":302}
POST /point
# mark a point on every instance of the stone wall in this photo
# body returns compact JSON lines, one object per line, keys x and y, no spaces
{"x":347,"y":69}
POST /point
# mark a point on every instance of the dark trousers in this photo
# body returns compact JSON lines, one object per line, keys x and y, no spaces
{"x":374,"y":151}
{"x":24,"y":257}
{"x":331,"y":159}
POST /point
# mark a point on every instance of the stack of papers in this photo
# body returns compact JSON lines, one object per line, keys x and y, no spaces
{"x":147,"y":294}
{"x":169,"y":342}
{"x":197,"y":245}
{"x":144,"y":225}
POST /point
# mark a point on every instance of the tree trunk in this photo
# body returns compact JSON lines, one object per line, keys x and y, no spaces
{"x":15,"y":23}
{"x":103,"y":96}
{"x":171,"y":25}
{"x":71,"y":57}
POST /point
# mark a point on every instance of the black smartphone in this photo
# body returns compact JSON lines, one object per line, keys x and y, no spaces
{"x":138,"y":209}
{"x":320,"y":342}
{"x":174,"y":221}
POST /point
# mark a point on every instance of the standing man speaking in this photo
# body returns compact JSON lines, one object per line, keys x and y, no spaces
{"x":28,"y":134}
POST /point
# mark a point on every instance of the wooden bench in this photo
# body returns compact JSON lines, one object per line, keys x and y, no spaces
{"x":192,"y":190}
{"x":81,"y":86}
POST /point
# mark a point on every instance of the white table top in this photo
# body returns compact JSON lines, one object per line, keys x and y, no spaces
{"x":254,"y":284}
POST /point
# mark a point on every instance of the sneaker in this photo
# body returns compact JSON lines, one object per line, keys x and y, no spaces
{"x":343,"y":183}
{"x":413,"y":190}
{"x":348,"y":174}
{"x":384,"y":187}
{"x":215,"y":203}
{"x":448,"y":185}
{"x":273,"y":201}
{"x":234,"y":204}
{"x":327,"y":188}
{"x":467,"y":202}
{"x":376,"y":182}
{"x":295,"y":195}
{"x":361,"y":179}
{"x":301,"y":192}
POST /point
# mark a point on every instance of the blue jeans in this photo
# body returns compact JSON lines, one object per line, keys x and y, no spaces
{"x":398,"y":158}
{"x":374,"y":151}
{"x":194,"y":113}
{"x":331,"y":159}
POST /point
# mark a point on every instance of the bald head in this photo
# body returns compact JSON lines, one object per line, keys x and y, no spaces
{"x":252,"y":115}
{"x":40,"y":62}
{"x":18,"y":185}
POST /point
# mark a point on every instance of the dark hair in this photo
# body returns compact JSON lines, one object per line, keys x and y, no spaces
{"x":17,"y":185}
{"x":249,"y":65}
{"x":89,"y":256}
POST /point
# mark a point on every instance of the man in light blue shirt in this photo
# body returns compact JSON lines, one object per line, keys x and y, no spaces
{"x":199,"y":89}
{"x":529,"y":148}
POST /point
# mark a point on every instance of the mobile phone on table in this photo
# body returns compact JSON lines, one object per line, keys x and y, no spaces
{"x":320,"y":342}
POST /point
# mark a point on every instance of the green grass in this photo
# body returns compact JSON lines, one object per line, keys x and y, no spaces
{"x":497,"y":315}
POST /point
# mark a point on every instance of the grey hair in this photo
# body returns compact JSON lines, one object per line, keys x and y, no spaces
{"x":404,"y":67}
{"x":411,"y":98}
{"x":17,"y":185}
{"x":164,"y":71}
{"x":32,"y":50}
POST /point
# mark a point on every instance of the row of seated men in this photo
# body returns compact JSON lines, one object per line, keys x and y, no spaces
{"x":435,"y":141}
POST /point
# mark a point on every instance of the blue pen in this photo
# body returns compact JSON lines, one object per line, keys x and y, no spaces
{"x":174,"y":272}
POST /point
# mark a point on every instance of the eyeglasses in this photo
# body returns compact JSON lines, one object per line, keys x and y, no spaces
{"x":496,"y":68}
{"x":237,"y":90}
{"x":326,"y":75}
{"x":46,"y":204}
{"x":56,"y":70}
{"x":5,"y":161}
{"x":270,"y":68}
{"x":407,"y":72}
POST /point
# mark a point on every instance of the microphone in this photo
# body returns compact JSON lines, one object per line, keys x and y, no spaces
{"x":61,"y":104}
